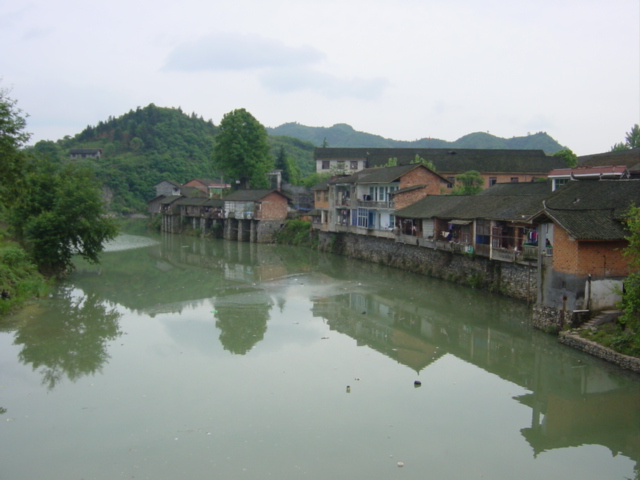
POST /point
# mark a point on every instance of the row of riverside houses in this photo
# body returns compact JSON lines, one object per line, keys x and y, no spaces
{"x":495,"y":166}
{"x":244,"y":215}
{"x":570,"y":230}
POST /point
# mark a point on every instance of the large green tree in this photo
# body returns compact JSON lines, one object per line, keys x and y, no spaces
{"x":12,"y":140}
{"x":60,"y":213}
{"x":241,"y":150}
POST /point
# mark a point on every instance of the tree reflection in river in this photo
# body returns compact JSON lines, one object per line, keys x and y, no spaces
{"x":73,"y":339}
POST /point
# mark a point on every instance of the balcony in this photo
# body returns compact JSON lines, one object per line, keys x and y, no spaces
{"x":376,"y":205}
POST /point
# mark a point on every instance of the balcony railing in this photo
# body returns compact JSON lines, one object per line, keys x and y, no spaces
{"x":372,"y":204}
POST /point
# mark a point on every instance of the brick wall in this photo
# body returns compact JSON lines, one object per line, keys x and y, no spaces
{"x":599,"y":259}
{"x":273,"y":207}
{"x":418,"y":176}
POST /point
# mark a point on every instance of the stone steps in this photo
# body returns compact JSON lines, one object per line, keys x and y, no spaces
{"x":603,"y":317}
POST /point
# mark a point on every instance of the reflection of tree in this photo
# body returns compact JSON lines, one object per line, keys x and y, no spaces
{"x":241,"y":325}
{"x":70,"y":339}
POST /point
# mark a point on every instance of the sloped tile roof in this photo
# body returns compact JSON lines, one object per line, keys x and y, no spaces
{"x":506,"y":201}
{"x":593,"y":210}
{"x":452,"y":160}
{"x":170,"y":199}
{"x":628,"y":158}
{"x":250,"y":195}
{"x":191,"y":201}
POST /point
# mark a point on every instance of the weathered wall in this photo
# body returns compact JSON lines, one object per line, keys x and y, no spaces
{"x":273,"y":207}
{"x":514,"y":280}
{"x":600,"y":259}
{"x":265,"y":230}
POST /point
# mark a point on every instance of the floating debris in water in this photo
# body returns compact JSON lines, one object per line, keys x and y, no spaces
{"x":348,"y":389}
{"x":401,"y":464}
{"x":417,"y":383}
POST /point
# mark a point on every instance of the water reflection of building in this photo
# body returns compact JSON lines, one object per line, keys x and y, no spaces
{"x":574,"y":400}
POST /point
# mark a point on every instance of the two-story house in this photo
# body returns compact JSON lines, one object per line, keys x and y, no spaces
{"x":365,"y":202}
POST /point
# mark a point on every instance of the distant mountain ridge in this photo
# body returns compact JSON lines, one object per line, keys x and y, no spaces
{"x":343,"y":135}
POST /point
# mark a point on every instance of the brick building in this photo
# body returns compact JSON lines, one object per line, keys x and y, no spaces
{"x":587,"y":233}
{"x":364,"y":202}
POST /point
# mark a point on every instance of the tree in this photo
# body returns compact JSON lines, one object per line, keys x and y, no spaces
{"x":241,"y":150}
{"x":570,"y":158}
{"x":290,"y":171}
{"x":630,"y":319}
{"x":12,"y":140}
{"x":469,"y":183}
{"x":60,"y":213}
{"x":427,"y":163}
{"x":632,"y":140}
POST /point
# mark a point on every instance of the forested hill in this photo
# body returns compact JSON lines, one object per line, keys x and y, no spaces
{"x":343,"y":135}
{"x":147,"y":145}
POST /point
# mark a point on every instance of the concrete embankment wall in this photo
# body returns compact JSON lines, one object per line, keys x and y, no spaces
{"x":512,"y":279}
{"x":597,"y":350}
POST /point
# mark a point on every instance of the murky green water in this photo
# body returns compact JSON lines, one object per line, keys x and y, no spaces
{"x":199,"y":359}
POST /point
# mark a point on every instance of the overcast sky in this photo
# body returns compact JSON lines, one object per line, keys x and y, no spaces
{"x":403,"y":69}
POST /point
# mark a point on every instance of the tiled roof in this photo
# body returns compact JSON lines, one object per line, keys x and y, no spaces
{"x":504,"y":201}
{"x":191,"y":201}
{"x":250,"y":195}
{"x":590,"y":171}
{"x":628,"y":158}
{"x":324,"y":185}
{"x":380,"y":175}
{"x":452,"y":160}
{"x":170,"y":199}
{"x":593,"y":210}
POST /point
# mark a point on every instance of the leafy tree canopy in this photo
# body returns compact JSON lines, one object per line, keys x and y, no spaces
{"x":12,"y":140}
{"x":60,"y":213}
{"x":632,"y":140}
{"x":468,"y":183}
{"x":570,"y":158}
{"x":241,"y":149}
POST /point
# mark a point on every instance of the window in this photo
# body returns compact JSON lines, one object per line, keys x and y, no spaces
{"x":363,"y":217}
{"x":354,"y":165}
{"x":326,"y":195}
{"x":451,"y":181}
{"x":483,"y":232}
{"x":493,"y":181}
{"x":514,"y":179}
{"x":326,"y":164}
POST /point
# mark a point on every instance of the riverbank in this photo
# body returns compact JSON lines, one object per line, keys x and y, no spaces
{"x":19,"y":276}
{"x":514,"y":280}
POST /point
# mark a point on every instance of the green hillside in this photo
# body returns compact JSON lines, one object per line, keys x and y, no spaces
{"x":342,"y":135}
{"x":147,"y":145}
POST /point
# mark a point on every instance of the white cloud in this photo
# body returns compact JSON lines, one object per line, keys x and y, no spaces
{"x":232,"y":51}
{"x":299,"y":79}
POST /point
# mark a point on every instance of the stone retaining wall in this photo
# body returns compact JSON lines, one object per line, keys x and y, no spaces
{"x":511,"y":279}
{"x":623,"y":361}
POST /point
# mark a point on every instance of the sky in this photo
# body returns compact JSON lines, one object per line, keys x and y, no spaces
{"x":402,"y":69}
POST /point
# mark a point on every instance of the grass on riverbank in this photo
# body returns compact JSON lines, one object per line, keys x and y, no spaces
{"x":613,"y":335}
{"x":297,"y":232}
{"x":19,"y":276}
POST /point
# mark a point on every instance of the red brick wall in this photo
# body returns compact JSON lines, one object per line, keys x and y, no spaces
{"x":273,"y":207}
{"x":418,"y":176}
{"x":599,"y":259}
{"x":405,"y":199}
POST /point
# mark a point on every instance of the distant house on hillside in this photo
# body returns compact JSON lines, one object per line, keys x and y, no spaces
{"x":77,"y":153}
{"x":167,"y":188}
{"x":495,"y":166}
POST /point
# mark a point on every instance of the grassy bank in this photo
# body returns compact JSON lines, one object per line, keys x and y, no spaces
{"x":19,"y":276}
{"x":297,"y":232}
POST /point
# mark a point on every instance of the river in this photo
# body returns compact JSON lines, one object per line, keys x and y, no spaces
{"x":187,"y":358}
